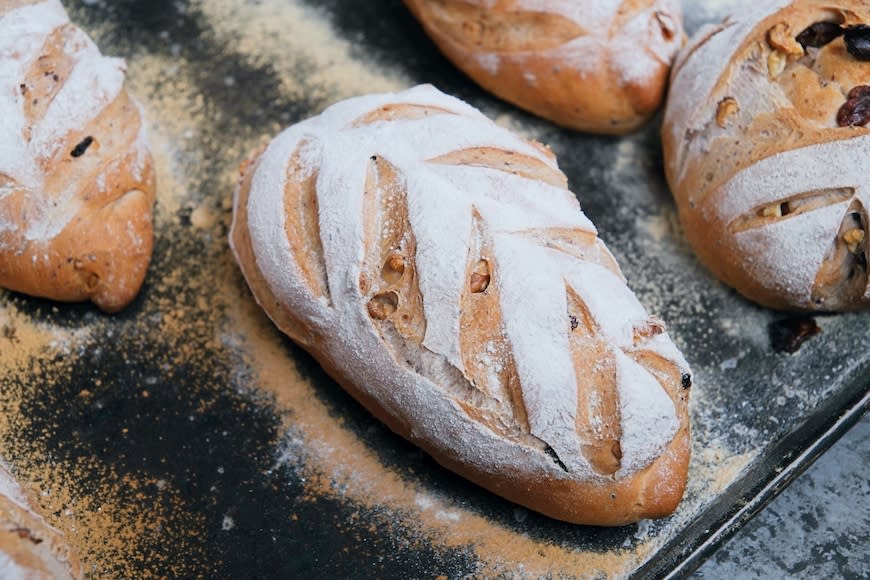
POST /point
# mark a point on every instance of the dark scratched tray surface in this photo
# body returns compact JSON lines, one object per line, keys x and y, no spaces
{"x":209,"y":431}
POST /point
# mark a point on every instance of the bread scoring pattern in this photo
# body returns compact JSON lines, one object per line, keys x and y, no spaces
{"x":432,"y":259}
{"x":76,"y":177}
{"x":595,"y":65}
{"x":766,"y":151}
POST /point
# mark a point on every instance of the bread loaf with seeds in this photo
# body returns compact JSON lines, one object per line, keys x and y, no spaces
{"x":438,"y":267}
{"x":76,"y":177}
{"x":30,"y":549}
{"x":767,"y":145}
{"x":593,"y":65}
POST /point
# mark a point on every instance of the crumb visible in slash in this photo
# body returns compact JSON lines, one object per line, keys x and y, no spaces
{"x":80,"y":149}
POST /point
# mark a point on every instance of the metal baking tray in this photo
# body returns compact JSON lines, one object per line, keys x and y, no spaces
{"x":185,"y":437}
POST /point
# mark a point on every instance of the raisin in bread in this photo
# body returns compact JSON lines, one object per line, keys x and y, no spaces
{"x":767,"y":150}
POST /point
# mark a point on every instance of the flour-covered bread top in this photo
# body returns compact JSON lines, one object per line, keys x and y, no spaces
{"x":437,"y":266}
{"x":592,"y":65}
{"x":76,"y":178}
{"x":30,"y":549}
{"x":767,"y":142}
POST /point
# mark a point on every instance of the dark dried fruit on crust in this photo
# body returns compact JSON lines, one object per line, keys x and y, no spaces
{"x":855,"y":112}
{"x":686,"y":381}
{"x":858,"y":41}
{"x":80,"y":149}
{"x":819,"y":34}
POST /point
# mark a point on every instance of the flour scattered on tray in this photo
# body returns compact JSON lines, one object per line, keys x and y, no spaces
{"x":201,"y":300}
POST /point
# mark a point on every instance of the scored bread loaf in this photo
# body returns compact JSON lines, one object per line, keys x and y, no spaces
{"x":768,"y":152}
{"x":439,"y":269}
{"x":593,"y":65}
{"x":76,"y":177}
{"x":30,"y":549}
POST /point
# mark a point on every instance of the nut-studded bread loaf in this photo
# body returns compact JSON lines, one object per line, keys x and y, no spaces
{"x":593,"y":65}
{"x":76,"y":177}
{"x":439,"y":269}
{"x":767,"y":150}
{"x":30,"y":549}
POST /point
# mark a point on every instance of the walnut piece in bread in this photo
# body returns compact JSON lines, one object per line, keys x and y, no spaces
{"x":438,"y":268}
{"x":767,"y":150}
{"x":30,"y":549}
{"x":76,"y":177}
{"x":593,"y":65}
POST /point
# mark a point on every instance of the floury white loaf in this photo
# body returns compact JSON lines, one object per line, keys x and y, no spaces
{"x":30,"y":549}
{"x":767,"y":149}
{"x":593,"y":65}
{"x":76,"y":177}
{"x":437,"y":266}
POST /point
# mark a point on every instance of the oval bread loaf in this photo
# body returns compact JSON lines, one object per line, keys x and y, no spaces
{"x":767,"y":151}
{"x":76,"y":177}
{"x":593,"y":65}
{"x":439,"y":269}
{"x":30,"y":549}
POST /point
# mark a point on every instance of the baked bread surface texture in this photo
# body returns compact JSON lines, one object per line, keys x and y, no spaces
{"x":76,"y":177}
{"x":30,"y":549}
{"x":438,"y":268}
{"x":767,"y":152}
{"x":593,"y":65}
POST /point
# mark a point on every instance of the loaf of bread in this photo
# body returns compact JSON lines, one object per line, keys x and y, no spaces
{"x":30,"y":549}
{"x":439,"y":269}
{"x":767,"y":149}
{"x":594,"y":65}
{"x":76,"y":177}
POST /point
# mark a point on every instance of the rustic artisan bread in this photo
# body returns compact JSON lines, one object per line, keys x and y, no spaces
{"x":593,"y":65}
{"x":30,"y":549}
{"x":439,"y":269}
{"x":767,"y":150}
{"x":76,"y":177}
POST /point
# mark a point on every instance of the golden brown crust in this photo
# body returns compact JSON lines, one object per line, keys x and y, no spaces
{"x":93,"y":186}
{"x":749,"y":100}
{"x":653,"y":492}
{"x":367,"y":324}
{"x":566,"y":69}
